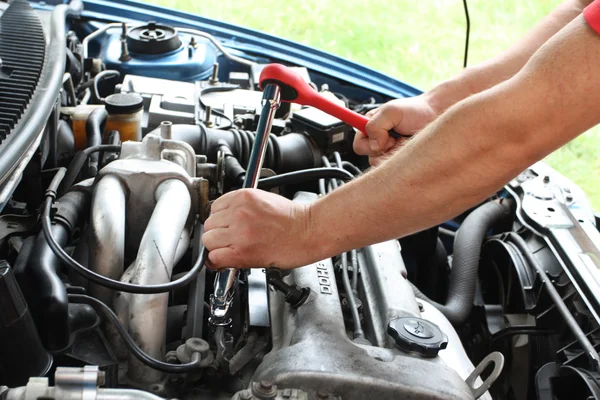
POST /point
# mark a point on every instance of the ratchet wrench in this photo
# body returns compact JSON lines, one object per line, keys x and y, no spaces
{"x":295,"y":90}
{"x":224,"y":287}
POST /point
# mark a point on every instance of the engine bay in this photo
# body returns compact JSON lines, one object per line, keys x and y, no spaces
{"x":116,"y":138}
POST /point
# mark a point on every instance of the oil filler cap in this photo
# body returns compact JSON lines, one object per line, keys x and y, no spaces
{"x":417,"y":335}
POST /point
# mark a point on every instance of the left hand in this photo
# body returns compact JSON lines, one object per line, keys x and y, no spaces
{"x":251,"y":228}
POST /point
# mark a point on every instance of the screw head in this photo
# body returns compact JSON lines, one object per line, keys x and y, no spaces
{"x":245,"y":395}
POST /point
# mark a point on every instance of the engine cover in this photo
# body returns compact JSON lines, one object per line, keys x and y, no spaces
{"x":312,"y":352}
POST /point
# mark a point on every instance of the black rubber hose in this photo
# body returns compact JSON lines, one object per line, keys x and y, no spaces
{"x":48,"y":297}
{"x":94,"y":126}
{"x":48,"y":89}
{"x":290,"y":152}
{"x":465,"y":262}
{"x":100,"y":279}
{"x":107,"y":314}
{"x":292,"y":178}
{"x":77,"y":163}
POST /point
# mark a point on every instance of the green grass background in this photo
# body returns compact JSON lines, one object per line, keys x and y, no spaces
{"x":420,"y":42}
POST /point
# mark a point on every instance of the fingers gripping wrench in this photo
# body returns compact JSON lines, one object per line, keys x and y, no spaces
{"x":220,"y":300}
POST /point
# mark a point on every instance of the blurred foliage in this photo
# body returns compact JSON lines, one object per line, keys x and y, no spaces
{"x":420,"y":42}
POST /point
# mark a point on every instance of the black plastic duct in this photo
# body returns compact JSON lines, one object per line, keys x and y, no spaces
{"x":286,"y":153}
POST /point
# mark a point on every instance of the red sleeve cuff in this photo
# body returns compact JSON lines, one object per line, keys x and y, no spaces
{"x":592,"y":15}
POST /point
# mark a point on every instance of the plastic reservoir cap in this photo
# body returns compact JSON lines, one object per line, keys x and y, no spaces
{"x":124,"y":103}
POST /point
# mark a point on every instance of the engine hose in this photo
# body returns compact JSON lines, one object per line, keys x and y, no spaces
{"x":292,"y":178}
{"x":100,"y":279}
{"x":47,"y":294}
{"x":94,"y":126}
{"x":467,"y":248}
{"x":290,"y":152}
{"x":108,"y":315}
{"x":74,"y":169}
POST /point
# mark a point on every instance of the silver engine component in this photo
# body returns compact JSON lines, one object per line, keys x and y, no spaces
{"x":74,"y":384}
{"x":312,"y":351}
{"x":144,"y":205}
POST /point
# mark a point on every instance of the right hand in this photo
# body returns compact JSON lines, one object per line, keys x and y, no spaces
{"x":406,"y":116}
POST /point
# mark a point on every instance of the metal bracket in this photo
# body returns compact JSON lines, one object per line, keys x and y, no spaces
{"x":495,"y":358}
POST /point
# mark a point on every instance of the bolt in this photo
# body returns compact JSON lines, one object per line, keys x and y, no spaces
{"x":264,"y":390}
{"x":546,"y":179}
{"x":245,"y":395}
{"x":421,"y":308}
{"x":124,"y":31}
{"x":569,"y":198}
{"x":207,"y":116}
{"x":124,"y":51}
{"x":214,"y":79}
{"x":193,"y":43}
{"x":171,"y":357}
{"x":266,"y":385}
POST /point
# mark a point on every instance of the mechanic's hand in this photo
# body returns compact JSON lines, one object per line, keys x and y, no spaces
{"x":251,"y":228}
{"x":405,"y":116}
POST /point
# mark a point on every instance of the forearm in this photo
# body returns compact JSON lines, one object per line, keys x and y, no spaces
{"x":471,"y":151}
{"x":504,"y":66}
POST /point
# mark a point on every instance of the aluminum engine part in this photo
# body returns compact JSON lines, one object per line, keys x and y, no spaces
{"x":312,"y":351}
{"x":74,"y":384}
{"x":150,"y":193}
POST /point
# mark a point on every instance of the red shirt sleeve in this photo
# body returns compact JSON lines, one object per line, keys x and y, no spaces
{"x":592,"y":15}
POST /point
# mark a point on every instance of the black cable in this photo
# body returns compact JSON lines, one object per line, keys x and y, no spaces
{"x":110,"y":73}
{"x":104,"y":311}
{"x":100,"y":279}
{"x":468,"y":32}
{"x":295,"y":177}
{"x":78,"y":162}
{"x":358,"y":332}
{"x":216,"y":89}
{"x":348,"y":166}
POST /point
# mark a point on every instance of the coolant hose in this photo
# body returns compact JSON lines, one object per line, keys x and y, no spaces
{"x":465,"y":262}
{"x":94,"y":126}
{"x":48,"y":295}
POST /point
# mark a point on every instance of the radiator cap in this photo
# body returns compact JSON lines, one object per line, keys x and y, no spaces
{"x":417,"y":335}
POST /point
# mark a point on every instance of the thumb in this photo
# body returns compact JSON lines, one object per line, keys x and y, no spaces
{"x":379,"y":126}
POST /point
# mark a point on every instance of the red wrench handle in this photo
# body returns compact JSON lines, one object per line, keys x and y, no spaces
{"x":295,"y":90}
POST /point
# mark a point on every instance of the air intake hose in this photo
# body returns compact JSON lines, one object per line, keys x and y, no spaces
{"x":286,"y":153}
{"x":467,"y":248}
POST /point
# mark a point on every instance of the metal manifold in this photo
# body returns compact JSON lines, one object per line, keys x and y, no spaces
{"x":144,"y":205}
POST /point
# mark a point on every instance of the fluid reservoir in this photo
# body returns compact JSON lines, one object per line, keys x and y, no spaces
{"x":125,"y":111}
{"x":159,"y":51}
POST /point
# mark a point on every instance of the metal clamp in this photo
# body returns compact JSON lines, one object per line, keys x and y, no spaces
{"x":495,"y":358}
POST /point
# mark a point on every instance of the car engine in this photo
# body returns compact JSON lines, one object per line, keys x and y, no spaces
{"x":116,"y":137}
